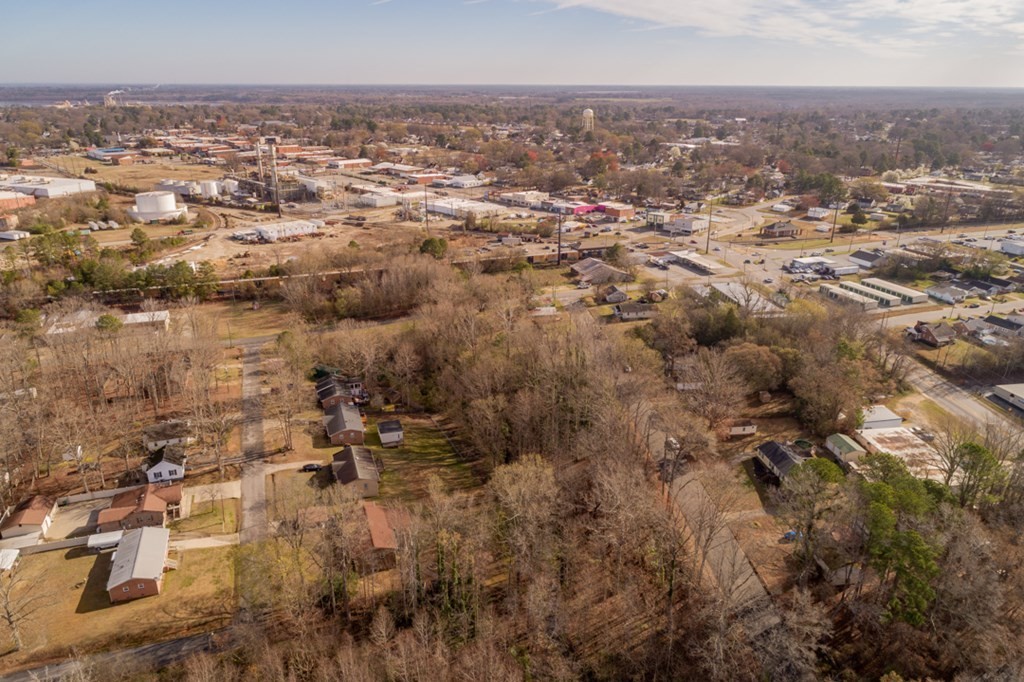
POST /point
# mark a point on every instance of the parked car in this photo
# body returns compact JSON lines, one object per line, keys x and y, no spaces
{"x":768,"y":280}
{"x":311,"y":467}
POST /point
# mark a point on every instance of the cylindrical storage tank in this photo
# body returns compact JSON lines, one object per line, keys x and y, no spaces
{"x":230,"y":186}
{"x":209,"y":189}
{"x":156,"y":202}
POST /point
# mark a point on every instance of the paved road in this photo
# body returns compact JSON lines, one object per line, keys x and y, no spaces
{"x":157,"y":655}
{"x":955,"y":400}
{"x":254,"y":494}
{"x":725,"y":558}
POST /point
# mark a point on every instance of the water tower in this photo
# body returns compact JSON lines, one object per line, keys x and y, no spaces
{"x":588,"y":120}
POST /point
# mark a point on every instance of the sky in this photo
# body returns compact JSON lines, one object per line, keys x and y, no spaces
{"x":927,"y":43}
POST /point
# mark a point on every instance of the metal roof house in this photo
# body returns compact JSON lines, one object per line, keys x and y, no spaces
{"x":344,"y":425}
{"x":137,"y":567}
{"x":356,"y":466}
{"x":880,"y":417}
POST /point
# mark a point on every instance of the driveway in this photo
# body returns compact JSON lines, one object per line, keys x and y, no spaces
{"x":75,"y":519}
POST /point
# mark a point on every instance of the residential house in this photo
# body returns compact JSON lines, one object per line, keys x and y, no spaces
{"x":740,"y":427}
{"x":844,"y":449}
{"x":1003,"y":327}
{"x":778,"y":458}
{"x":614,"y":294}
{"x":331,"y":390}
{"x":166,"y":464}
{"x":934,"y":334}
{"x":782,"y":228}
{"x":149,"y":505}
{"x":880,"y":417}
{"x":818,"y":213}
{"x":31,"y":516}
{"x":947,"y":293}
{"x":138,"y":565}
{"x":635,"y":311}
{"x":344,"y":425}
{"x":355,"y":466}
{"x":868,"y":259}
{"x":173,"y":432}
{"x":390,"y":432}
{"x":596,"y":271}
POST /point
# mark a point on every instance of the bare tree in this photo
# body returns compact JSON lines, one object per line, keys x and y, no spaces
{"x":21,"y":600}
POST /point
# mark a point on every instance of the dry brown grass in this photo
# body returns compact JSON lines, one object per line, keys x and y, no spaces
{"x":197,"y":597}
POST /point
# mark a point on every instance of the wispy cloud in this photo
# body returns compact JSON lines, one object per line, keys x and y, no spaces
{"x":880,"y":27}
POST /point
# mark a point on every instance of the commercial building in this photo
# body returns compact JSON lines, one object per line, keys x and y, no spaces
{"x":908,"y":295}
{"x":920,"y":458}
{"x":45,"y":188}
{"x":1011,"y":393}
{"x":462,"y":208}
{"x":884,"y":299}
{"x":10,"y":201}
{"x":846,"y":296}
{"x":880,"y":417}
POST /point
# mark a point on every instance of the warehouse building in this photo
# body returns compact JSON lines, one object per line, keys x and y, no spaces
{"x":45,"y":188}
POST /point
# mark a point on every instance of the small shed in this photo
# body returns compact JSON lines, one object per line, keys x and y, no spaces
{"x":390,"y":432}
{"x":880,"y":417}
{"x":845,"y":450}
{"x":740,"y":427}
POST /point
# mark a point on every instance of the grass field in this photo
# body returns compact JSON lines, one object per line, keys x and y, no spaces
{"x":142,"y":176}
{"x":237,"y":320}
{"x":78,"y":616}
{"x":426,"y":451}
{"x":209,"y":517}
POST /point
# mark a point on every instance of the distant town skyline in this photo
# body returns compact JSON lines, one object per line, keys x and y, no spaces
{"x":925,"y":43}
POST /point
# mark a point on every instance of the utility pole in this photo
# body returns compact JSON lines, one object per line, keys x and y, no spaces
{"x":559,"y":238}
{"x":945,"y":210}
{"x":426,"y":213}
{"x":835,"y":218}
{"x":707,"y":244}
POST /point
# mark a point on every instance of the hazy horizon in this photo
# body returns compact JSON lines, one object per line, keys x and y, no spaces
{"x":728,"y":43}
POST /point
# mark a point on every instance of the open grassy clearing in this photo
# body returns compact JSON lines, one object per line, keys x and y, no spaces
{"x":210,"y":517}
{"x":79,"y":618}
{"x":236,"y":320}
{"x":143,"y":176}
{"x":426,"y":451}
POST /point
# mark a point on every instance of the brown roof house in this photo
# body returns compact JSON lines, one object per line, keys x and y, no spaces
{"x":149,"y":505}
{"x":934,"y":334}
{"x":344,"y":425}
{"x":30,"y":516}
{"x":354,"y":466}
{"x":782,"y":228}
{"x":138,"y":565}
